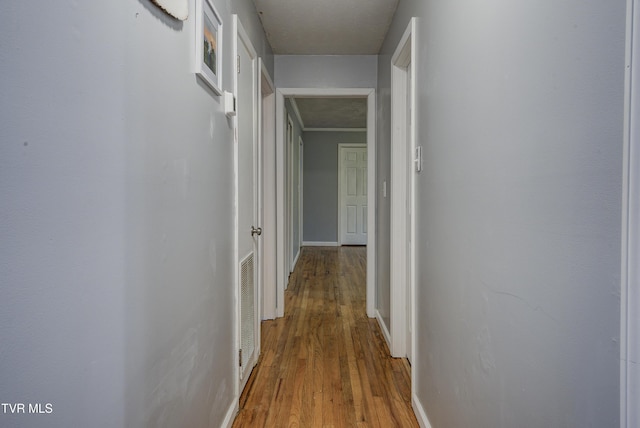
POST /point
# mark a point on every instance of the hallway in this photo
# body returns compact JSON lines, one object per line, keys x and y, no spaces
{"x":325,"y":363}
{"x":510,"y":131}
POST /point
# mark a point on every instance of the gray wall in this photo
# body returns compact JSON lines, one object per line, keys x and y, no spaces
{"x":320,"y":210}
{"x":116,"y":176}
{"x":519,"y":209}
{"x":325,"y":71}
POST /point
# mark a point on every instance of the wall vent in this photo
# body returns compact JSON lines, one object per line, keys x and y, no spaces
{"x":247,"y":317}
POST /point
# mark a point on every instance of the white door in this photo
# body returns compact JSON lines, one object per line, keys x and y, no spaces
{"x":293,"y":201}
{"x":300,"y":194}
{"x":352,"y":168}
{"x":289,"y":214}
{"x":409,"y":221}
{"x":403,"y":178}
{"x":248,"y":231}
{"x":267,"y":277}
{"x":295,"y":172}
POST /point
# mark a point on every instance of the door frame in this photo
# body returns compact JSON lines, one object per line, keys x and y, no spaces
{"x":288,"y":216}
{"x":402,"y":188}
{"x":370,"y":95}
{"x":294,"y":172}
{"x":630,"y":272}
{"x":240,"y":34}
{"x":341,"y":145}
{"x":267,"y":146}
{"x":300,"y":196}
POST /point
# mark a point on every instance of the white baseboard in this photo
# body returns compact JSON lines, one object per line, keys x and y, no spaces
{"x":385,"y":332}
{"x":231,"y":415}
{"x":421,"y":415}
{"x":319,"y":244}
{"x":295,"y":259}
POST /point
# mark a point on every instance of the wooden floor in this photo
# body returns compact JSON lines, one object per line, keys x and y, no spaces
{"x":325,"y":364}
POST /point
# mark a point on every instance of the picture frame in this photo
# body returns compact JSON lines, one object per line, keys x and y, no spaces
{"x":209,"y":59}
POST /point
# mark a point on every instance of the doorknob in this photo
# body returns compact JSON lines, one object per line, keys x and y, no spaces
{"x":256,"y":231}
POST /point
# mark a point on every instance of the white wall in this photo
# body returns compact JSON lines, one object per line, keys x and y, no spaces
{"x":117,"y":224}
{"x":325,"y":71}
{"x":519,"y":207}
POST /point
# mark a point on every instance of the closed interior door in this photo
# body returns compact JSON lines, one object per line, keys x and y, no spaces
{"x":409,"y":221}
{"x":353,"y":194}
{"x":289,"y":180}
{"x":248,"y":229}
{"x":295,"y":201}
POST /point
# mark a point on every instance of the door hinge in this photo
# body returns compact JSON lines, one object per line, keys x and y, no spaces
{"x":418,"y":159}
{"x":238,"y":65}
{"x":240,"y":357}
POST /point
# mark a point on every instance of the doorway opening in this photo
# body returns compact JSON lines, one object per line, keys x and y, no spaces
{"x":285,"y":248}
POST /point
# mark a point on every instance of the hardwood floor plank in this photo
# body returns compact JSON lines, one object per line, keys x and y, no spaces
{"x":325,"y":364}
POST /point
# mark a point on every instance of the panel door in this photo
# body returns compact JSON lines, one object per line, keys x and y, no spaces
{"x":248,"y":229}
{"x":353,"y":195}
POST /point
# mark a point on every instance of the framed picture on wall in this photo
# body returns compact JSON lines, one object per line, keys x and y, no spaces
{"x":209,"y":44}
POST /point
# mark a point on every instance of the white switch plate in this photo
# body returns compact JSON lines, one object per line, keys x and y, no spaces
{"x":229,"y":104}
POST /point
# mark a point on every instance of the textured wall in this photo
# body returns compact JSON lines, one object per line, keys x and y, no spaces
{"x":519,"y":207}
{"x":325,"y":71}
{"x":117,"y":224}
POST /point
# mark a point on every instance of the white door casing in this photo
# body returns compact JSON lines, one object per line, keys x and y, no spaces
{"x":281,"y":184}
{"x":352,"y":191}
{"x":295,"y":197}
{"x":293,"y":200}
{"x":300,"y":193}
{"x":289,"y":198}
{"x":630,"y":272}
{"x":403,"y":216}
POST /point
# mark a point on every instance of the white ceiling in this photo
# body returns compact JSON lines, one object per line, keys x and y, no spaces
{"x":326,"y":27}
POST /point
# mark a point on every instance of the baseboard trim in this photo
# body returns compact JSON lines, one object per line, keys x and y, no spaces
{"x":319,"y":244}
{"x":231,"y":415}
{"x":383,"y":328}
{"x":295,"y":260}
{"x":421,"y":415}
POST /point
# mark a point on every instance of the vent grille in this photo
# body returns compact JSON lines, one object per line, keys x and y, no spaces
{"x":247,"y":284}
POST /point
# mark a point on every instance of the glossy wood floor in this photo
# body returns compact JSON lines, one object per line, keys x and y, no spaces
{"x":325,"y":364}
